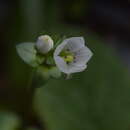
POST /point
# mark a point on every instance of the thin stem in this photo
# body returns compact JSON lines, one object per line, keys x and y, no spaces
{"x":31,"y":79}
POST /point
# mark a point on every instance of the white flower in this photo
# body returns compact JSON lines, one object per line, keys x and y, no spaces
{"x":72,"y":55}
{"x":44,"y":44}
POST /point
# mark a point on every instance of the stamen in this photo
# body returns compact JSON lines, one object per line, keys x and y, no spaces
{"x":67,"y":56}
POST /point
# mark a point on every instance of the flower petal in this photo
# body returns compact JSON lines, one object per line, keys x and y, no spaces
{"x":61,"y":64}
{"x":60,"y":48}
{"x":75,"y":43}
{"x":74,"y":68}
{"x":82,"y":56}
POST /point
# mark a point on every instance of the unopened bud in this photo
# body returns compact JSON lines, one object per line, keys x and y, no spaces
{"x":44,"y":44}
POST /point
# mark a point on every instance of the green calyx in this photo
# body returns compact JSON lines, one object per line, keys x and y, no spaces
{"x":48,"y":72}
{"x":46,"y":59}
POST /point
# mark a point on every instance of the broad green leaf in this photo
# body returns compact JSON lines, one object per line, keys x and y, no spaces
{"x":27,"y":52}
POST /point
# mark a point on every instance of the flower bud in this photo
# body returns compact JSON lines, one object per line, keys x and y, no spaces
{"x":44,"y":44}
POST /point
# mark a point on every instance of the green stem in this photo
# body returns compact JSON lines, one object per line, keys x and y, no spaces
{"x":29,"y":116}
{"x":31,"y":79}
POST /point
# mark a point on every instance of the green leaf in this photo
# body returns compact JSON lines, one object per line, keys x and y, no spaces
{"x":27,"y":52}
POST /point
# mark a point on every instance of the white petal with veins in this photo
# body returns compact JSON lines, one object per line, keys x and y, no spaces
{"x":74,"y":68}
{"x":81,"y":54}
{"x":75,"y":43}
{"x":61,"y":64}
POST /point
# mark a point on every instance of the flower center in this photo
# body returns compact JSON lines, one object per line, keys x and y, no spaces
{"x":67,"y":56}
